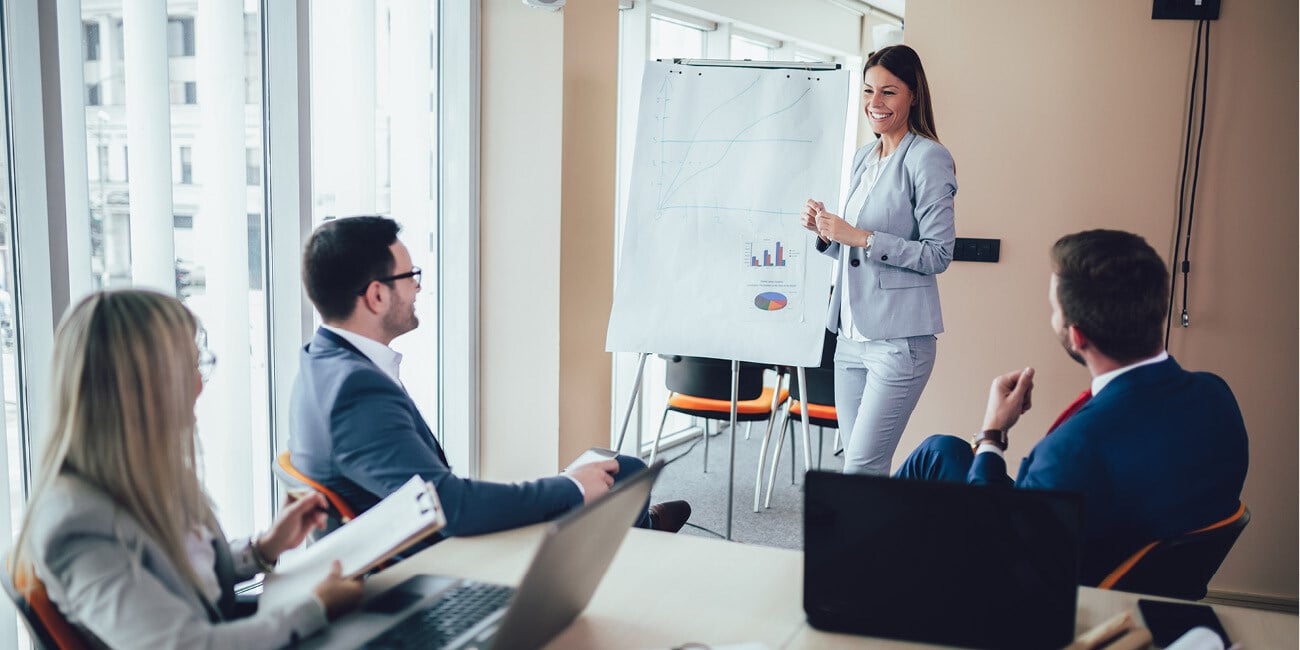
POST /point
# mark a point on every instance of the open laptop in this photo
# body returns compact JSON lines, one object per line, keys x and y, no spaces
{"x":428,"y":611}
{"x":943,"y":563}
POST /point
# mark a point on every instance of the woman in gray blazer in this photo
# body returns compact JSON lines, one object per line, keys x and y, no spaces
{"x":118,"y":527}
{"x":896,"y":235}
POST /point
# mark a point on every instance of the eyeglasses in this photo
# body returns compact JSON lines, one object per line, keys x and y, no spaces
{"x":415,"y":272}
{"x":207,"y":360}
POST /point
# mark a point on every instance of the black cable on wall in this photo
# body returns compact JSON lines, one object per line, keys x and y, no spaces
{"x":1203,"y":71}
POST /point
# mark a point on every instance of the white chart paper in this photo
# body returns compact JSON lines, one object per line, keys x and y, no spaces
{"x":714,"y":260}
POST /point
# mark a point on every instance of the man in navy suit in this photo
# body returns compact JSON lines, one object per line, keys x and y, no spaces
{"x":1156,"y":450}
{"x":354,"y":429}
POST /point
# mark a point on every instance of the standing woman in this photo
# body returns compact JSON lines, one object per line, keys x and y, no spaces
{"x":896,"y":235}
{"x":119,"y":527}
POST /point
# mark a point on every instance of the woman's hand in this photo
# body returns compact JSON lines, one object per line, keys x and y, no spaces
{"x":830,"y":227}
{"x":808,"y":218}
{"x":297,"y":519}
{"x":339,"y":595}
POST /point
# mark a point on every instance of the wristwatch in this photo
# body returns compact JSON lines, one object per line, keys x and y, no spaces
{"x":996,"y":437}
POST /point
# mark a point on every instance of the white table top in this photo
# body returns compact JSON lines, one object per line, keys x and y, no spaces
{"x":666,"y":590}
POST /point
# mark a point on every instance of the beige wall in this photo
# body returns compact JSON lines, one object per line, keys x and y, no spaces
{"x":522,"y":118}
{"x":1067,"y":116}
{"x":587,"y":228}
{"x":547,"y":229}
{"x":1061,"y":117}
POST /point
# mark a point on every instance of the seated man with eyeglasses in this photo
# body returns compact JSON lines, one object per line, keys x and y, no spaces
{"x":353,"y":427}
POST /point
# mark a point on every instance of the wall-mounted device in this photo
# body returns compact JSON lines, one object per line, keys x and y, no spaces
{"x":1185,"y":10}
{"x":549,"y":5}
{"x":969,"y":249}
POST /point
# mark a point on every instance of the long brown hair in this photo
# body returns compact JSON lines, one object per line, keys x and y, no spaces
{"x":122,"y":417}
{"x":904,"y":63}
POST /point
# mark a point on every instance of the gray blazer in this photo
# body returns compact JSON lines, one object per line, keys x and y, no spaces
{"x":114,"y":583}
{"x":893,"y":293}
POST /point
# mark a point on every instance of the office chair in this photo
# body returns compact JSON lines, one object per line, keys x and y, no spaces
{"x":46,"y":625}
{"x":701,"y":387}
{"x":339,"y":513}
{"x":820,"y":403}
{"x":1179,"y":567}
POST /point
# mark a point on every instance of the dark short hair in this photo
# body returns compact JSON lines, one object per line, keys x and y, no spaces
{"x":1113,"y":287}
{"x":903,"y":62}
{"x":342,"y":258}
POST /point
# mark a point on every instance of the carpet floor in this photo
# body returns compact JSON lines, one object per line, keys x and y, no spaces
{"x":781,"y":525}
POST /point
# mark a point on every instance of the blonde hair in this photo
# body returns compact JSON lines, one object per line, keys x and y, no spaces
{"x":122,"y":416}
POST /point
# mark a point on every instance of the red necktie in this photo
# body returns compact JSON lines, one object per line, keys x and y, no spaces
{"x":1074,"y":406}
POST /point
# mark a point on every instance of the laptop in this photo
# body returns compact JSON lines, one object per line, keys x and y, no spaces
{"x":943,"y":563}
{"x":428,"y":611}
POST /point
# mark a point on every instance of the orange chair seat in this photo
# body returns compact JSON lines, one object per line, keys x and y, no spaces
{"x":816,"y":411}
{"x":60,"y":630}
{"x":1109,"y":581}
{"x":760,"y":405}
{"x":345,"y":511}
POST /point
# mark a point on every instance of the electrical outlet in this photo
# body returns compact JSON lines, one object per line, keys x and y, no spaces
{"x":969,"y":249}
{"x":1185,"y":10}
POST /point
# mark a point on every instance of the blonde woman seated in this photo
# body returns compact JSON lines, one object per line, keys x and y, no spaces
{"x":119,"y":528}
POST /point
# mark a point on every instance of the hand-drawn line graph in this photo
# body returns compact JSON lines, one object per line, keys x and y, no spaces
{"x":685,"y":169}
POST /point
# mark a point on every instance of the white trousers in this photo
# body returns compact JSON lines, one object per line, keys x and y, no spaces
{"x":877,"y":385}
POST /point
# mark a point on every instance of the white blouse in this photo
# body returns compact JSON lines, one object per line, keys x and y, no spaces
{"x":870,"y":174}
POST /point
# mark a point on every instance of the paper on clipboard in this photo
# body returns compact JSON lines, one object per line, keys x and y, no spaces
{"x":405,"y":517}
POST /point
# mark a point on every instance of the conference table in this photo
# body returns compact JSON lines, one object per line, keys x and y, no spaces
{"x":666,"y":591}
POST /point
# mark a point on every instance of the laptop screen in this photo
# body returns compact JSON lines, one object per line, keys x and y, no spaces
{"x":955,"y":564}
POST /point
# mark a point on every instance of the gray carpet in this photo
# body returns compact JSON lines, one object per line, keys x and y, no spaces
{"x":780,"y":526}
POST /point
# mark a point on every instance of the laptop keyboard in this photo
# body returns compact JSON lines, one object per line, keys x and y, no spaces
{"x":458,"y":610}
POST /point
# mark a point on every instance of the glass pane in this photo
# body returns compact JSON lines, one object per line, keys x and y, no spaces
{"x":745,"y":49}
{"x":188,"y":221}
{"x":373,"y":69}
{"x":669,"y":40}
{"x":11,"y":432}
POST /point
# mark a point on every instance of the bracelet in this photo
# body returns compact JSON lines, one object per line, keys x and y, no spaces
{"x":259,"y":557}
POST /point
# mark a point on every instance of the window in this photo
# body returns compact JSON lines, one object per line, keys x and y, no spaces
{"x":180,"y":36}
{"x":252,"y":166}
{"x":92,"y":94}
{"x":185,"y":155}
{"x":90,"y":39}
{"x":670,"y":39}
{"x":745,"y":48}
{"x":184,"y":92}
{"x":101,"y":162}
{"x":157,"y":228}
{"x":360,"y":165}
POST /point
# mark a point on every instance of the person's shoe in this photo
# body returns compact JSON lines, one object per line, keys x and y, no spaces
{"x":669,"y":516}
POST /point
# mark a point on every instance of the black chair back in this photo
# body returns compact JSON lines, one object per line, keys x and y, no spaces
{"x":1181,"y":567}
{"x":821,"y":380}
{"x":711,"y":378}
{"x":821,"y":386}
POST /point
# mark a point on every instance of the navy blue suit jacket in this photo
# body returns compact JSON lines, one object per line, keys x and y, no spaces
{"x":1159,"y":452}
{"x":355,"y":430}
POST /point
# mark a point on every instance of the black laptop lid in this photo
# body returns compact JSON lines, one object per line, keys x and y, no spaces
{"x":946,"y":563}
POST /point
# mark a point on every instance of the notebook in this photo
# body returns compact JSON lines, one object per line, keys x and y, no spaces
{"x":426,"y":611}
{"x":942,"y":563}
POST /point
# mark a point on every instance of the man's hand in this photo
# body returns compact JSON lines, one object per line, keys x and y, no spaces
{"x":1009,"y":396}
{"x":595,"y":478}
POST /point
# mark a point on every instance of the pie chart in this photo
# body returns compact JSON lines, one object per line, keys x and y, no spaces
{"x":771,"y":301}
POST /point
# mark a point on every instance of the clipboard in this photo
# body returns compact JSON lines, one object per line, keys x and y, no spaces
{"x":391,"y":526}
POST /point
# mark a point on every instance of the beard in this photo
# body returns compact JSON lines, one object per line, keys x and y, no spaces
{"x":401,"y":320}
{"x":1064,"y":336}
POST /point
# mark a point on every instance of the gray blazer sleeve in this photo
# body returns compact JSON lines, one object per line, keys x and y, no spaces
{"x":934,"y":184}
{"x":111,"y":580}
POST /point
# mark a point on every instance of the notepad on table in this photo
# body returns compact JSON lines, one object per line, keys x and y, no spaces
{"x":405,"y":517}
